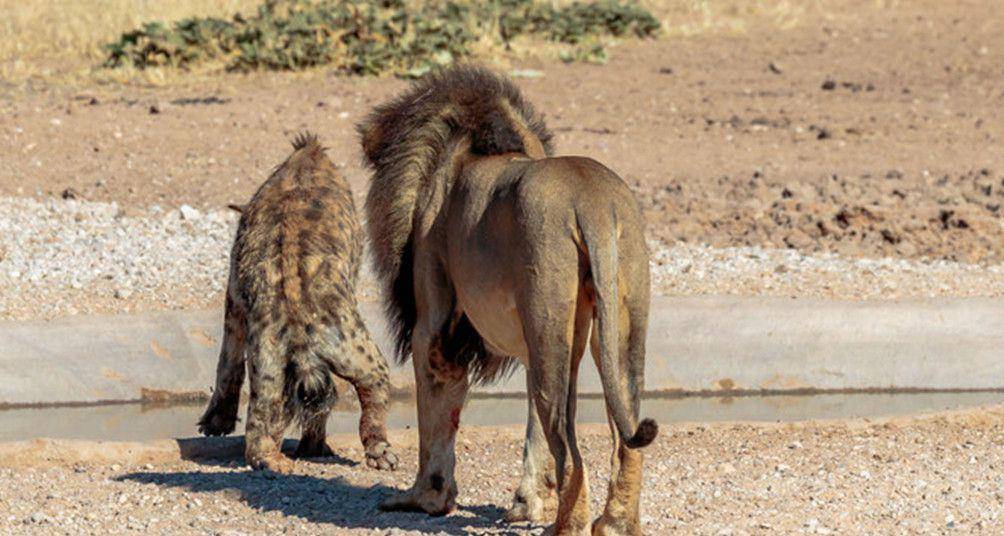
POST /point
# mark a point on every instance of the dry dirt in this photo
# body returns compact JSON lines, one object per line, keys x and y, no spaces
{"x":864,"y":131}
{"x":920,"y":475}
{"x":869,"y":132}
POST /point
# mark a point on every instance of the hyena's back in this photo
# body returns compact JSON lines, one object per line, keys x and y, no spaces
{"x":294,"y":267}
{"x":292,"y":317}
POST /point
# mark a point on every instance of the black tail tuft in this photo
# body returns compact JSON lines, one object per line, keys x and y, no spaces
{"x":309,"y":389}
{"x":644,"y":436}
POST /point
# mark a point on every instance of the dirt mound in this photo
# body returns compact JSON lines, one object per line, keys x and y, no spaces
{"x":956,"y":218}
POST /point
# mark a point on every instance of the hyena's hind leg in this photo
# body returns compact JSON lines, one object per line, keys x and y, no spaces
{"x":220,"y":416}
{"x":268,"y":413}
{"x":355,"y":358}
{"x":313,"y":442}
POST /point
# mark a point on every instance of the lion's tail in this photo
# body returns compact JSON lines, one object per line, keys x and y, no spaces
{"x":603,"y":261}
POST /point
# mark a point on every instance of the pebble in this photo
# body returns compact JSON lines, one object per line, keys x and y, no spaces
{"x":683,"y":492}
{"x":189,"y":213}
{"x":170,"y":258}
{"x":689,"y":269}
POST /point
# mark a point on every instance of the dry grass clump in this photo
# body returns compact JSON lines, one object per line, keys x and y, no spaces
{"x":372,"y":37}
{"x":65,"y":42}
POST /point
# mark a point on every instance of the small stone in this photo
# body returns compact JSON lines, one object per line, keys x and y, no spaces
{"x":829,"y":85}
{"x":526,"y":73}
{"x":189,"y":213}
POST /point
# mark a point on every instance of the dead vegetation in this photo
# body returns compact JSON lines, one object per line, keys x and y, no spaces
{"x":51,"y":41}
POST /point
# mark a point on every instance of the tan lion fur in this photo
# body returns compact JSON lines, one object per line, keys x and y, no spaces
{"x":492,"y":251}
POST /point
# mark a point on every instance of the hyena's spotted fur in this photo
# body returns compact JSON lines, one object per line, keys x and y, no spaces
{"x":291,"y":312}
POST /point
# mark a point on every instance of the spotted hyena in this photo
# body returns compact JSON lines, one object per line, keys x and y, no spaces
{"x":291,"y":315}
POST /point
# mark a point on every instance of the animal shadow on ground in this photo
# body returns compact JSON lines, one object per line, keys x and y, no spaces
{"x":314,"y":499}
{"x":228,"y":451}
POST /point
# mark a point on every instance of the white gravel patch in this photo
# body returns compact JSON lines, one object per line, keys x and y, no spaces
{"x":686,"y":269}
{"x":63,"y":257}
{"x":73,"y":244}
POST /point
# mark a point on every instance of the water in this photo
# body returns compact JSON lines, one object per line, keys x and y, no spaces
{"x":136,"y":422}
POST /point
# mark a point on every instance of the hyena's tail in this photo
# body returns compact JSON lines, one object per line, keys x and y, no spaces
{"x":309,"y":386}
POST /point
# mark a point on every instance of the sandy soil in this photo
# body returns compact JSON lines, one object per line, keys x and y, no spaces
{"x":920,"y":475}
{"x":876,"y":132}
{"x":766,"y":161}
{"x":863,"y":132}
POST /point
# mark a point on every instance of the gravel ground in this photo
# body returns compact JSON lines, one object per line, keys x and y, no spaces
{"x":61,"y":257}
{"x":917,"y":475}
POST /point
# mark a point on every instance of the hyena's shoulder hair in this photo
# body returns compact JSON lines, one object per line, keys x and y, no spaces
{"x":404,"y":142}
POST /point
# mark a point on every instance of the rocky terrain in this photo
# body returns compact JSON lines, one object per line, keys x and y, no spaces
{"x":907,"y":475}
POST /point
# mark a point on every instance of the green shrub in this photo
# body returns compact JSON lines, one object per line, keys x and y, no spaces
{"x":370,"y":37}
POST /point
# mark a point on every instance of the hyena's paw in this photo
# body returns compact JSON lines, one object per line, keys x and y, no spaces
{"x":217,"y":421}
{"x":380,"y":455}
{"x":277,"y":463}
{"x":313,"y":448}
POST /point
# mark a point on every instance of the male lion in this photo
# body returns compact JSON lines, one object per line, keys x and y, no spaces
{"x":491,"y":250}
{"x":291,"y":308}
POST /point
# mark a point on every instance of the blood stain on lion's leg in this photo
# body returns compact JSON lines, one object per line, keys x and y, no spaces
{"x":441,"y":388}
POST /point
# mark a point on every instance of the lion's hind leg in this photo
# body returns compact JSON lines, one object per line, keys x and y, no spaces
{"x":220,"y":416}
{"x":553,"y":376}
{"x":621,"y":514}
{"x":535,"y":494}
